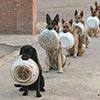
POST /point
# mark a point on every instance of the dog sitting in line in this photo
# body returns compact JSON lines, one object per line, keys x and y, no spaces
{"x":79,"y":19}
{"x":97,"y":5}
{"x":93,"y":32}
{"x":27,"y":52}
{"x":54,"y":59}
{"x":79,"y":48}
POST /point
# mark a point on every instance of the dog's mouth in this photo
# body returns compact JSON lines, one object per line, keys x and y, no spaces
{"x":25,"y":57}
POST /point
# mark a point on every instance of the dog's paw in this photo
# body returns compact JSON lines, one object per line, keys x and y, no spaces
{"x":25,"y":93}
{"x":38,"y":95}
{"x":42,"y":90}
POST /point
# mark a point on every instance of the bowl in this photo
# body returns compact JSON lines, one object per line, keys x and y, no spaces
{"x":24,"y":72}
{"x":92,"y":22}
{"x":81,"y":28}
{"x":67,"y":40}
{"x":49,"y":39}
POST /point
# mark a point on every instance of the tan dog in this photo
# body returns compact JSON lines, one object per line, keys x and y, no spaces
{"x":79,"y":47}
{"x":97,"y":5}
{"x":79,"y":18}
{"x":54,"y":59}
{"x":93,"y":32}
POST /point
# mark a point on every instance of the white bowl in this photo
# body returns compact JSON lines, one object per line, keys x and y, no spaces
{"x":67,"y":40}
{"x":24,"y":72}
{"x":49,"y":39}
{"x":81,"y":27}
{"x":92,"y":22}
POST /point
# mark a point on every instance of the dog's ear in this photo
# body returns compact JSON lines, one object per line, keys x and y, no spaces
{"x":48,"y":18}
{"x":71,"y":22}
{"x":56,"y":19}
{"x":76,"y":12}
{"x":81,"y":14}
{"x":91,"y":8}
{"x":63,"y":21}
{"x":96,"y":4}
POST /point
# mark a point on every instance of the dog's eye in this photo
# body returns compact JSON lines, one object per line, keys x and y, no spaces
{"x":78,"y":17}
{"x":65,"y":26}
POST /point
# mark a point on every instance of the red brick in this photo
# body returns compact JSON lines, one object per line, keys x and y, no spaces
{"x":18,"y":16}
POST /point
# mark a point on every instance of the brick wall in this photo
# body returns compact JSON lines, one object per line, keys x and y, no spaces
{"x":18,"y":16}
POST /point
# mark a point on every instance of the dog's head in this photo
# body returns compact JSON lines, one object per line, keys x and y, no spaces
{"x":94,"y":12}
{"x":52,"y":24}
{"x":67,"y":26}
{"x":27,"y":52}
{"x":97,"y":5}
{"x":78,"y":17}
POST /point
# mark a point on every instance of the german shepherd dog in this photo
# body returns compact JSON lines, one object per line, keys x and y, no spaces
{"x":54,"y":59}
{"x":93,"y":32}
{"x":79,"y":18}
{"x":27,"y":52}
{"x":78,"y":49}
{"x":97,"y":5}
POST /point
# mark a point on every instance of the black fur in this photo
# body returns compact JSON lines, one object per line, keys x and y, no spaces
{"x":52,"y":24}
{"x":27,"y":52}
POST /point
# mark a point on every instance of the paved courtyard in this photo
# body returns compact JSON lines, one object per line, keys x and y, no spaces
{"x":81,"y":78}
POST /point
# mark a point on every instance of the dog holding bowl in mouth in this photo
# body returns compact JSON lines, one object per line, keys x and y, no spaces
{"x":72,"y":38}
{"x":26,"y":71}
{"x":93,"y":23}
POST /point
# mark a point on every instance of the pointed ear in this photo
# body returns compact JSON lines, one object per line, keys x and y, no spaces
{"x":76,"y":12}
{"x":96,"y":4}
{"x":71,"y":22}
{"x":63,"y":21}
{"x":81,"y":13}
{"x":56,"y":19}
{"x":48,"y":18}
{"x":91,"y":8}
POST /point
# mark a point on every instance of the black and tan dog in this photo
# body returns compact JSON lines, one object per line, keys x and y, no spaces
{"x":54,"y":59}
{"x":78,"y":18}
{"x":97,"y":5}
{"x":27,"y":52}
{"x":79,"y":47}
{"x":93,"y":32}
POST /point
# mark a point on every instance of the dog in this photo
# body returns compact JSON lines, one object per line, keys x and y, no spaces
{"x":97,"y":7}
{"x":79,"y":48}
{"x":93,"y":32}
{"x":79,"y":19}
{"x":54,"y":59}
{"x":26,"y":52}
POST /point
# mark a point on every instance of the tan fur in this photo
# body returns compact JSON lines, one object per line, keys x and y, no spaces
{"x":79,"y":47}
{"x":79,"y":18}
{"x":55,"y":60}
{"x":93,"y":32}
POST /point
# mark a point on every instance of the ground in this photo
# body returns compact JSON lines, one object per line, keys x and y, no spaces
{"x":81,"y":78}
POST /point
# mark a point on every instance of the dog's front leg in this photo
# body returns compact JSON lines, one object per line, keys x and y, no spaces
{"x":38,"y":88}
{"x":25,"y":89}
{"x":47,"y":62}
{"x":75,"y":49}
{"x":60,"y":69}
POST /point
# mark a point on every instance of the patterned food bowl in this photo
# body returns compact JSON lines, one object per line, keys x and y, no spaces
{"x":67,"y":40}
{"x":24,"y":72}
{"x":49,"y":39}
{"x":92,"y":22}
{"x":81,"y":27}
